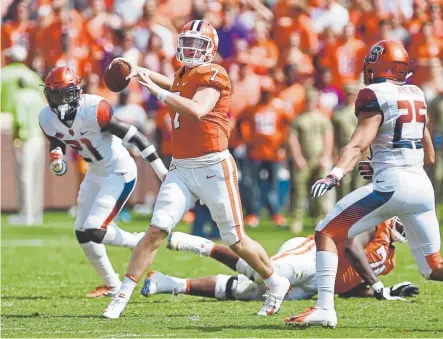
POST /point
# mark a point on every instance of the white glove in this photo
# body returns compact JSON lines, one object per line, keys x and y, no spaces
{"x":58,"y":165}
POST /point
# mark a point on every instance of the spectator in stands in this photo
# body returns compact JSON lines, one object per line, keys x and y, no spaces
{"x":292,"y":92}
{"x":330,"y":14}
{"x":344,"y":122}
{"x":23,"y":98}
{"x":265,"y":133}
{"x":18,"y":29}
{"x":263,"y":52}
{"x":330,"y":96}
{"x":311,"y":143}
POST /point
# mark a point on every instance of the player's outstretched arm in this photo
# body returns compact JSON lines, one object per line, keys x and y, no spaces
{"x":129,"y":133}
{"x":203,"y":101}
{"x":159,"y":79}
{"x":364,"y":135}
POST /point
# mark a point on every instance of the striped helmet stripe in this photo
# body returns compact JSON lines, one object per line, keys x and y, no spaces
{"x":196,"y":25}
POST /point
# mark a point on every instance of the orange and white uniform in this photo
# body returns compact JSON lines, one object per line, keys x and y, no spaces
{"x":295,"y":260}
{"x":202,"y":167}
{"x":380,"y":254}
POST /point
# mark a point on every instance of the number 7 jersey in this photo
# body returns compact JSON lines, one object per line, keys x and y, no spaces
{"x":104,"y":152}
{"x":192,"y":138}
{"x":398,"y":143}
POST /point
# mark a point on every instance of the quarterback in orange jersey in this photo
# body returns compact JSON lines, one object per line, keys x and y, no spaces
{"x":198,"y":100}
{"x":295,"y":260}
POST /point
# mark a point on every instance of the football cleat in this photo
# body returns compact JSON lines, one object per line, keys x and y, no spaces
{"x":252,"y":220}
{"x":313,"y":316}
{"x":116,"y":307}
{"x":273,"y":298}
{"x":103,"y":291}
{"x":158,"y":283}
{"x":184,"y":242}
{"x":279,"y":220}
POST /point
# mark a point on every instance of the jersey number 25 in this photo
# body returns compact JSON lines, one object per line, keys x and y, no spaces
{"x":412,"y":121}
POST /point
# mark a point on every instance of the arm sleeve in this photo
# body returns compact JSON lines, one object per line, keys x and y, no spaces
{"x":367,"y":102}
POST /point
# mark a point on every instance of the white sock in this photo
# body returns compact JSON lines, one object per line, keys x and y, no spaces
{"x":325,"y":277}
{"x":127,"y":287}
{"x":182,"y":285}
{"x":97,"y":256}
{"x":115,"y":236}
{"x":193,"y":243}
{"x":242,"y":267}
{"x":273,"y":280}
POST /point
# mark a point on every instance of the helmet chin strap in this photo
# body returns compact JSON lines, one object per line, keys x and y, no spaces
{"x":63,"y":109}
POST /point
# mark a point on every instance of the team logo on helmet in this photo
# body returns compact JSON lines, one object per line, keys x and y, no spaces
{"x":375,"y":53}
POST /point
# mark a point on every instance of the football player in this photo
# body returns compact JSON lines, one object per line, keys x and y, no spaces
{"x":85,"y":123}
{"x":392,"y":121}
{"x":198,"y":100}
{"x":295,"y":260}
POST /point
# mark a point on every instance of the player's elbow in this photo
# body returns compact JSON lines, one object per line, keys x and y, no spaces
{"x":430,"y":158}
{"x":200,"y":112}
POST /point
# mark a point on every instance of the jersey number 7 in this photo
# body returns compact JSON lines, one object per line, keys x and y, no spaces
{"x":412,"y":121}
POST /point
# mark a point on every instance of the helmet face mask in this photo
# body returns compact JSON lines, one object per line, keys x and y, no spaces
{"x":398,"y":233}
{"x":64,"y":100}
{"x":63,"y":91}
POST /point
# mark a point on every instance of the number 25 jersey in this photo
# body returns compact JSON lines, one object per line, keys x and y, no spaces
{"x":192,"y":138}
{"x":398,"y":143}
{"x":104,"y":152}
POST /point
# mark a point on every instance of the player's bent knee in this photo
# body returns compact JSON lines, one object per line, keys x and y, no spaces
{"x":163,"y":221}
{"x":82,"y":237}
{"x":94,"y":235}
{"x":224,"y":286}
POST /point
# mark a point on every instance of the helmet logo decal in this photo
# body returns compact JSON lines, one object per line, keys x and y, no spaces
{"x":375,"y":52}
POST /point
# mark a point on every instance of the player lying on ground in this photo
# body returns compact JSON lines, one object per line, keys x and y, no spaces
{"x":85,"y":123}
{"x":202,"y":168}
{"x":392,"y":121}
{"x":295,"y":260}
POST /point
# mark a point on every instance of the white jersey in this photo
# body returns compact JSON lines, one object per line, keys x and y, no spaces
{"x":104,"y":152}
{"x":399,"y":138}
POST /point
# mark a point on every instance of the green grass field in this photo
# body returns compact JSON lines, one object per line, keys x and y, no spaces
{"x":45,"y":278}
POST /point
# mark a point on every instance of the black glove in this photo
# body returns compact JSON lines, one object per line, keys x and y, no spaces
{"x":321,"y":186}
{"x":404,"y":289}
{"x":365,"y":169}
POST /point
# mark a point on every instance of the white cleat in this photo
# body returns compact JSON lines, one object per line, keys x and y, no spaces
{"x":189,"y":243}
{"x":274,"y":298}
{"x":313,"y":316}
{"x":116,"y":307}
{"x":159,"y":283}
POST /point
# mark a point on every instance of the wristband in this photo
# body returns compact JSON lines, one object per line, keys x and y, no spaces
{"x":129,"y":134}
{"x":162,"y":95}
{"x":377,"y":287}
{"x":147,"y":151}
{"x":62,"y":171}
{"x":338,"y":172}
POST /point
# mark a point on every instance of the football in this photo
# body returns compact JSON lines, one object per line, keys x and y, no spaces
{"x":115,"y":76}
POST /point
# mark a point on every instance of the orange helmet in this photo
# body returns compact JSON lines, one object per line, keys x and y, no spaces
{"x":197,"y":43}
{"x":387,"y":59}
{"x":63,"y":89}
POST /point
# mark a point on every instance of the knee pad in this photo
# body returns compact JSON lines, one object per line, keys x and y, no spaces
{"x":94,"y":235}
{"x":224,"y":286}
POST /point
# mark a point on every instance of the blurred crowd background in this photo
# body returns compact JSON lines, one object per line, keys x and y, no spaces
{"x":295,"y":68}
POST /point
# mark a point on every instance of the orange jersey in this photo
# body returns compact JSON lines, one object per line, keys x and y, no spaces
{"x":192,"y":138}
{"x":22,"y":34}
{"x":269,"y":127}
{"x":164,"y":126}
{"x":380,"y":254}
